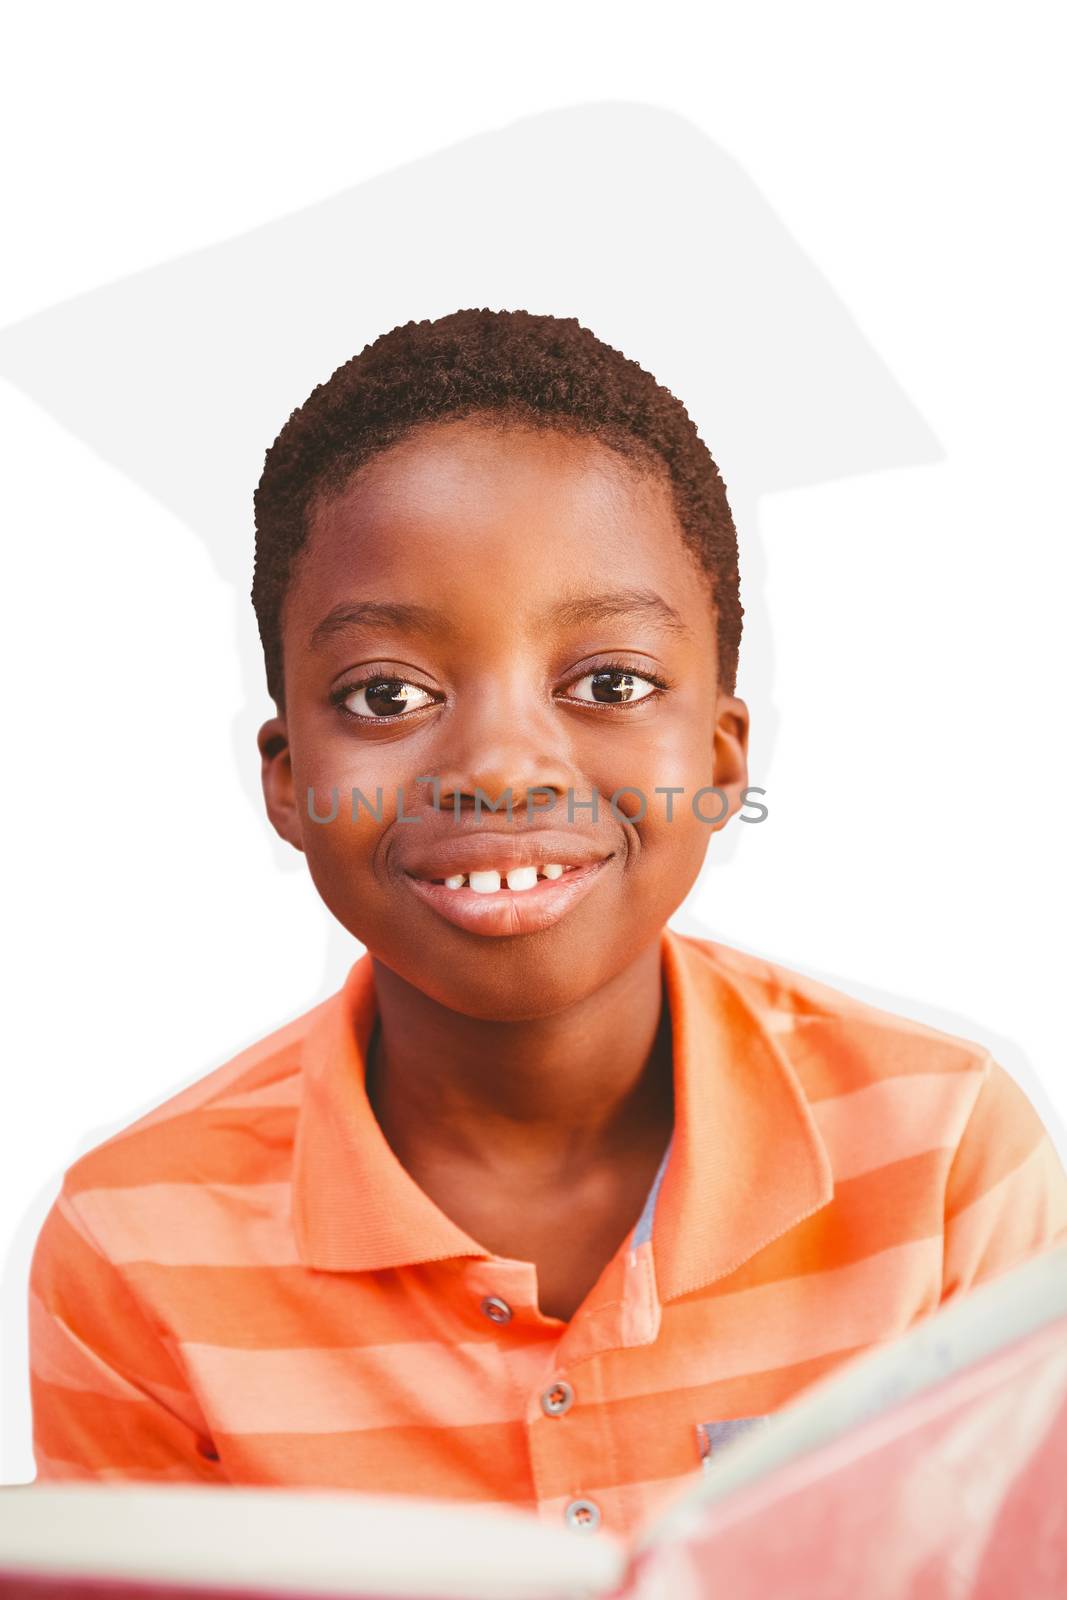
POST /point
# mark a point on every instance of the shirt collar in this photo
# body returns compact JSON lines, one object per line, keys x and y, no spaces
{"x":355,"y":1208}
{"x":746,"y":1161}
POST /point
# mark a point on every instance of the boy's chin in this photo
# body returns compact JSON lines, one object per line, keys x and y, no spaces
{"x":507,"y":980}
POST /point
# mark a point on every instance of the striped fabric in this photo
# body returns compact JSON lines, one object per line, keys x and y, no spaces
{"x":246,"y":1287}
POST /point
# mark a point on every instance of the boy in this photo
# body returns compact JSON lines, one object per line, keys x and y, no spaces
{"x":548,"y":1201}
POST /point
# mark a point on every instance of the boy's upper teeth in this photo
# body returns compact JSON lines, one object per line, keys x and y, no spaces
{"x":488,"y":882}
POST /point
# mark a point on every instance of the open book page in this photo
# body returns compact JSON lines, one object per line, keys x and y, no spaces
{"x":204,"y":1541}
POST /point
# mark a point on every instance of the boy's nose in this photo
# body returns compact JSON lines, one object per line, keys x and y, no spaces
{"x":506,"y":767}
{"x":507,"y":745}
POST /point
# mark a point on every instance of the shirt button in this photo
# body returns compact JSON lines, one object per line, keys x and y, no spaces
{"x":557,"y":1400}
{"x":496,"y":1310}
{"x":582,"y":1515}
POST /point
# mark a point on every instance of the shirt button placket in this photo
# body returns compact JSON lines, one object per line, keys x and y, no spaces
{"x":583,"y":1516}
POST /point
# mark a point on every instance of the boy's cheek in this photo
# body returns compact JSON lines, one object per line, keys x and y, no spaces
{"x":344,"y":859}
{"x":342,"y":837}
{"x":680,"y":857}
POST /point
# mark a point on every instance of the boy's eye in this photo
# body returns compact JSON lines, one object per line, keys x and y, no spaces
{"x":612,"y":687}
{"x":379,"y":698}
{"x":385,"y":697}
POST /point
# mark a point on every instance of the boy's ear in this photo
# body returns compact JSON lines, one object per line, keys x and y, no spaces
{"x":730,"y":754}
{"x":277,"y":775}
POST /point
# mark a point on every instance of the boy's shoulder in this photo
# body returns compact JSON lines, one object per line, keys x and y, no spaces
{"x":836,"y":1042}
{"x":252,"y":1096}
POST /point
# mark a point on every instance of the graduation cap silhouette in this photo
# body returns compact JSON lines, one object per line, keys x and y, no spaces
{"x":625,"y":216}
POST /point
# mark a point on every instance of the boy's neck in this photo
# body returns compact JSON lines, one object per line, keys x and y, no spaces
{"x":548,"y":1098}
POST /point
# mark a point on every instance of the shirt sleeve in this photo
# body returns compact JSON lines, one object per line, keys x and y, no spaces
{"x":1006,"y":1193}
{"x":109,"y":1400}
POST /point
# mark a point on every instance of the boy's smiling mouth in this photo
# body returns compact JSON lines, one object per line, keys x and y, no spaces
{"x":499,"y":884}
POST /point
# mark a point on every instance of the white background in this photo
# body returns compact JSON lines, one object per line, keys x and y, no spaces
{"x":862,"y":216}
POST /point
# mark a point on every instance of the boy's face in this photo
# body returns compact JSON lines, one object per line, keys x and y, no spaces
{"x":516,"y":545}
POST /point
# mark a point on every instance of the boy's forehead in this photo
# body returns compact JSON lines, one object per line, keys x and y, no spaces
{"x":461,"y":504}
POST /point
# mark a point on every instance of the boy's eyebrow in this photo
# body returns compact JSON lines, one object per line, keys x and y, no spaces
{"x":381,"y":614}
{"x":570,"y":612}
{"x":619,"y":603}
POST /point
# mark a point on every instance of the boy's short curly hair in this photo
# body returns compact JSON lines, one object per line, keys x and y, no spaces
{"x":544,"y":371}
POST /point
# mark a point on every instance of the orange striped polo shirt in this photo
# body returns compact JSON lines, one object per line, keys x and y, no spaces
{"x":246,"y":1287}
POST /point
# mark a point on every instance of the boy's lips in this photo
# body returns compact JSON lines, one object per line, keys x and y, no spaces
{"x":505,"y":911}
